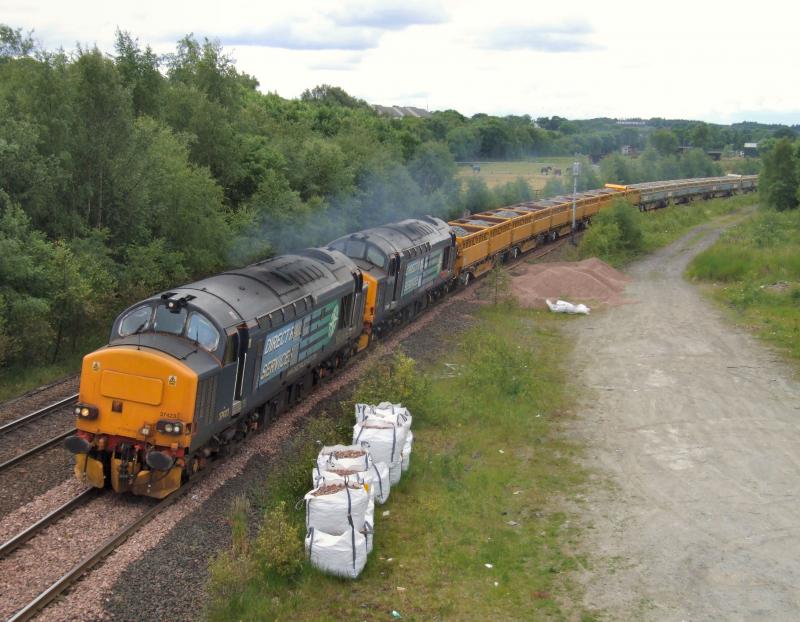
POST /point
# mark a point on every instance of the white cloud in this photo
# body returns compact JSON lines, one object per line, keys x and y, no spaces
{"x":580,"y":59}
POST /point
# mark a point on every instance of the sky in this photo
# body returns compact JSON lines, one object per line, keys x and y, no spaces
{"x":720,"y":62}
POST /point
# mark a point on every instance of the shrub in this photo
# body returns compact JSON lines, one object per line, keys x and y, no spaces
{"x":278,"y":549}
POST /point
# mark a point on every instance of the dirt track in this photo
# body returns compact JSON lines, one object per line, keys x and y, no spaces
{"x":697,"y":427}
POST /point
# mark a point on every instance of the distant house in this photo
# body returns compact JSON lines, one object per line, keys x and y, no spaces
{"x":628,"y":150}
{"x":398,"y":112}
{"x":751,"y":149}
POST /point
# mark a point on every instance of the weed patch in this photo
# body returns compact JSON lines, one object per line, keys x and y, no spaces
{"x":754,"y":271}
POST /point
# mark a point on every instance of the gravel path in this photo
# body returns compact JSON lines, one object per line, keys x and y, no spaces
{"x":160,"y":572}
{"x":696,"y":425}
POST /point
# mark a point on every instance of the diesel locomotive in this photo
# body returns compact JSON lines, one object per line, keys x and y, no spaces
{"x":189,"y":373}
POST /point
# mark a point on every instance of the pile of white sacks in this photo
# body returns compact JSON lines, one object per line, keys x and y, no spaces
{"x":348,"y":481}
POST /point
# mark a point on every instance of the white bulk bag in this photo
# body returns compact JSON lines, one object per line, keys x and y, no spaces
{"x":344,"y":555}
{"x":369,"y":533}
{"x":395,"y":471}
{"x":352,"y":457}
{"x":381,"y":482}
{"x":383,"y":439}
{"x":336,"y":507}
{"x":407,"y":450}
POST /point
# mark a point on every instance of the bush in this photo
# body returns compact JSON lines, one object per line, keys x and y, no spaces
{"x":278,"y":548}
{"x":616,"y":234}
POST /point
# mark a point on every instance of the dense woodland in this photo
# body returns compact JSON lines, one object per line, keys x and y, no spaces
{"x":122,"y":174}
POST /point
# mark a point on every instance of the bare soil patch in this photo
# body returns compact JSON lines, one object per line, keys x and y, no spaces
{"x":591,"y":282}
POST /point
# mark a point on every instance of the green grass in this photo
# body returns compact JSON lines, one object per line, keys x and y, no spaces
{"x":18,"y":379}
{"x":657,"y":228}
{"x":499,"y":173}
{"x":754,"y":271}
{"x":489,"y":467}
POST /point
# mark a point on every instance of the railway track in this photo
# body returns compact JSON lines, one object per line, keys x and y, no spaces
{"x":21,"y":424}
{"x":12,"y":544}
{"x":108,"y":546}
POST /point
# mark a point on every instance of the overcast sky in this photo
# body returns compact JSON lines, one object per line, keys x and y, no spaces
{"x":716,"y":61}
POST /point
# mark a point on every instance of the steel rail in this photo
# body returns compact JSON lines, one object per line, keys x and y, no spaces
{"x":21,"y":538}
{"x":12,"y":425}
{"x":52,"y":592}
{"x":35,"y":450}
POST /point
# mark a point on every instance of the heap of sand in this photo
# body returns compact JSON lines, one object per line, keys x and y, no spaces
{"x":591,"y":281}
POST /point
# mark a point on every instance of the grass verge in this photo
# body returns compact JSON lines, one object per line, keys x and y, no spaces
{"x":617,"y":235}
{"x":754,"y":271}
{"x":17,"y":380}
{"x":488,"y":468}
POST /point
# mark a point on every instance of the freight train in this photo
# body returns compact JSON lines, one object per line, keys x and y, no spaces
{"x":190,"y":372}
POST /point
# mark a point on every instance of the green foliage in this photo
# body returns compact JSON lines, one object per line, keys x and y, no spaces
{"x":664,"y":142}
{"x":278,"y":549}
{"x":553,"y":187}
{"x":615,"y":232}
{"x":619,"y":235}
{"x":498,"y":285}
{"x":780,"y":179}
{"x":652,"y":165}
{"x":754,"y":271}
{"x":477,"y":197}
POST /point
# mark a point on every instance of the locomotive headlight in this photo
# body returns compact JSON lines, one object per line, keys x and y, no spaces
{"x":84,"y":411}
{"x":170,"y":427}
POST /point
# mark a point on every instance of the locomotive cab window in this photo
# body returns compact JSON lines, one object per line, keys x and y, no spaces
{"x":203,"y":332}
{"x":168,"y":321}
{"x":355,"y":249}
{"x":135,"y":321}
{"x":376,"y":256}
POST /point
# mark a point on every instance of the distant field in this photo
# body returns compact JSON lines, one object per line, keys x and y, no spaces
{"x":499,"y":173}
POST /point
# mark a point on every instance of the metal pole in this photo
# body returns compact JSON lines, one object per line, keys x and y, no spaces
{"x":576,"y":170}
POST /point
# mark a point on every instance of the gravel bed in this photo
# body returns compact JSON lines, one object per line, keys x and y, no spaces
{"x":160,"y":572}
{"x":35,"y":432}
{"x":25,"y":481}
{"x":51,"y":554}
{"x":38,"y":398}
{"x":23,"y":517}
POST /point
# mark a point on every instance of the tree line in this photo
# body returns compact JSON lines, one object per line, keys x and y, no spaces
{"x":123,"y":174}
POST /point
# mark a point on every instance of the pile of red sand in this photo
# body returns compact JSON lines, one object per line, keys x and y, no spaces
{"x":590,"y":282}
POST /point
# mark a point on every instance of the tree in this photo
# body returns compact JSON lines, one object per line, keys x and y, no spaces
{"x":139,"y":73}
{"x":432,"y":166}
{"x":779,"y":177}
{"x":477,"y":197}
{"x":664,"y":142}
{"x":332,"y":96}
{"x":13,"y":44}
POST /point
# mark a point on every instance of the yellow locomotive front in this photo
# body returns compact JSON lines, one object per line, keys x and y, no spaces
{"x":134,"y":418}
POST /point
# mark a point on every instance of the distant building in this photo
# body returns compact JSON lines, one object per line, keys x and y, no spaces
{"x":398,"y":112}
{"x":631,"y":122}
{"x":751,"y":149}
{"x":628,"y":150}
